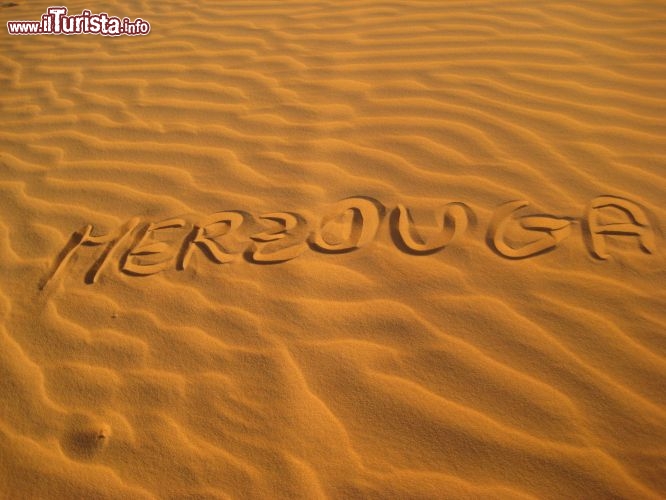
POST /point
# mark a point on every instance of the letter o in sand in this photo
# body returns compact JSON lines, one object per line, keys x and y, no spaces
{"x":367,"y":214}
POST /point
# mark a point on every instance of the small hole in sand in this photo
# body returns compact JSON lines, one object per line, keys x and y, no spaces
{"x":83,"y":440}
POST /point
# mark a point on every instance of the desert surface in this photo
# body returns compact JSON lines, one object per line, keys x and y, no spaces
{"x":335,"y":250}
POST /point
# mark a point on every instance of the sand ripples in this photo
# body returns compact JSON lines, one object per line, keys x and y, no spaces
{"x":371,"y":374}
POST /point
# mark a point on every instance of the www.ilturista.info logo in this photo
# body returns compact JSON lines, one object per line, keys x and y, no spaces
{"x":57,"y":22}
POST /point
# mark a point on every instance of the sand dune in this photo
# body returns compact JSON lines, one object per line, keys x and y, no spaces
{"x":390,"y":350}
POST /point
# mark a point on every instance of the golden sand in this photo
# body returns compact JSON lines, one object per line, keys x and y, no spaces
{"x":438,"y":272}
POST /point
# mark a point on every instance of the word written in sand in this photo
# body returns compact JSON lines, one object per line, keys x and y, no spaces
{"x":141,"y":250}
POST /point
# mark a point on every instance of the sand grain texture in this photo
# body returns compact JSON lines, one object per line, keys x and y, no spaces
{"x":381,"y":373}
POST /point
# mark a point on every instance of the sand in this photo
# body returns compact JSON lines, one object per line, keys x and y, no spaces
{"x":345,"y":250}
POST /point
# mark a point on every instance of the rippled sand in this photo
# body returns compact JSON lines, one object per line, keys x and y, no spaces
{"x":384,"y":372}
